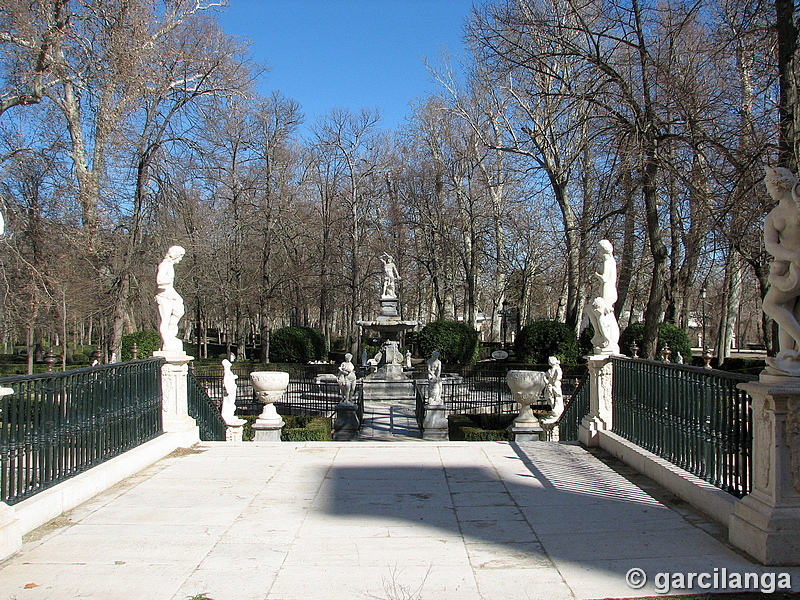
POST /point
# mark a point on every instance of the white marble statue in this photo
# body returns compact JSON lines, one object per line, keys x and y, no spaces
{"x":553,"y":392}
{"x":601,"y":308}
{"x":229,"y":395}
{"x":434,"y":379}
{"x":347,"y":379}
{"x":408,"y":359}
{"x":170,"y":303}
{"x":782,"y":241}
{"x":390,"y":276}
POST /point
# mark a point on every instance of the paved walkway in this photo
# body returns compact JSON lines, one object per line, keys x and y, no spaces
{"x":390,"y":422}
{"x":317,"y":521}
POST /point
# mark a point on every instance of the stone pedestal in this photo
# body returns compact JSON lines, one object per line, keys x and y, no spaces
{"x":526,"y":433}
{"x":235,"y":430}
{"x":267,"y":432}
{"x":175,"y":396}
{"x":10,"y":532}
{"x":434,"y":426}
{"x":346,"y":425}
{"x":600,"y":416}
{"x":766,"y":523}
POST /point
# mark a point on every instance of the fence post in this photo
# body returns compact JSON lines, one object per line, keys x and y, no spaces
{"x":175,"y":397}
{"x":10,"y":532}
{"x":766,"y":522}
{"x":601,"y":372}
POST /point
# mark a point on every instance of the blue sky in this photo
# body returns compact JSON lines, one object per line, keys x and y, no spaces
{"x":353,"y":54}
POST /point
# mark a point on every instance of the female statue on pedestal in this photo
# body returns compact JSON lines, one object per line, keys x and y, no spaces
{"x":170,"y":303}
{"x":601,"y":308}
{"x":390,"y":276}
{"x":434,"y":379}
{"x":782,"y":241}
{"x":347,"y":379}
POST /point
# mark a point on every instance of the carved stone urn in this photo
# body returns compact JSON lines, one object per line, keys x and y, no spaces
{"x":269,"y":386}
{"x":526,"y":388}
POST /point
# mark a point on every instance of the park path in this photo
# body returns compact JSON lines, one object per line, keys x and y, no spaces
{"x":390,"y":421}
{"x":372,"y":519}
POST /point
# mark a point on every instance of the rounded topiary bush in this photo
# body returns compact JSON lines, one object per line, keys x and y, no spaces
{"x":146,"y":342}
{"x":675,"y":337}
{"x":296,"y":345}
{"x":585,"y":345}
{"x":540,"y":340}
{"x":456,"y":341}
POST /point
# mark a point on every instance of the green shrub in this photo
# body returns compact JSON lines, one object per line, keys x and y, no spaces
{"x":479,"y":428}
{"x":301,"y":428}
{"x":675,"y":337}
{"x":147,"y":342}
{"x":476,"y":434}
{"x":296,"y":345}
{"x":456,"y":341}
{"x":540,"y":340}
{"x":79,"y":358}
{"x":585,"y":345}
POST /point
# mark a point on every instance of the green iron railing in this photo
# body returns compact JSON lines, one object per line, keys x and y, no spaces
{"x":693,"y":417}
{"x":205,"y":411}
{"x":57,"y":425}
{"x":575,"y":409}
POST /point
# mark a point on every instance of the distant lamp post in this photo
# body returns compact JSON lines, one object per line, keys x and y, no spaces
{"x":703,"y":298}
{"x":504,"y":321}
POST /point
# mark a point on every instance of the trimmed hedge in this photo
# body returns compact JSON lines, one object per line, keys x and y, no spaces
{"x":479,"y":428}
{"x":456,"y":341}
{"x":540,"y":340}
{"x":301,"y":428}
{"x":147,"y":342}
{"x":296,"y":345}
{"x":675,"y":337}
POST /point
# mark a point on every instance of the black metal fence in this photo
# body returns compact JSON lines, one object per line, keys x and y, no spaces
{"x":57,"y":425}
{"x":693,"y":417}
{"x":313,"y":390}
{"x":575,"y":408}
{"x":205,"y":411}
{"x":483,"y":388}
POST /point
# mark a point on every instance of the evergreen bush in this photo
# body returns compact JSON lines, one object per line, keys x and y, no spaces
{"x":296,"y":345}
{"x":540,"y":340}
{"x":146,"y":342}
{"x":456,"y":341}
{"x":675,"y":337}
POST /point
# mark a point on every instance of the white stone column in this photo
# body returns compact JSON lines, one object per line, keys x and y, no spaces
{"x":10,"y":532}
{"x":766,"y":522}
{"x":175,"y":397}
{"x":600,"y":416}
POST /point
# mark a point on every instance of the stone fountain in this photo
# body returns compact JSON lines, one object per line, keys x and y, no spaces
{"x":388,"y":381}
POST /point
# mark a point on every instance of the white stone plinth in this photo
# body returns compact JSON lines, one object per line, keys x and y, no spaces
{"x":766,"y":523}
{"x":10,"y":531}
{"x":600,"y":417}
{"x":175,"y":399}
{"x":234,"y":432}
{"x":434,"y":426}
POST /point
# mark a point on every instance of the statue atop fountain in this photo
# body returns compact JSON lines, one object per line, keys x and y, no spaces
{"x":389,"y":381}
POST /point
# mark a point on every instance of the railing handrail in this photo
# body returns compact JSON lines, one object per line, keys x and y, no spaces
{"x":80,"y":371}
{"x":718,"y":373}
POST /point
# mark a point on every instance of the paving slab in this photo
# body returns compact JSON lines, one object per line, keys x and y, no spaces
{"x":372,"y":519}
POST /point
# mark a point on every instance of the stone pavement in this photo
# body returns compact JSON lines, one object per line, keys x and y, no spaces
{"x":339,"y":520}
{"x":390,"y":421}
